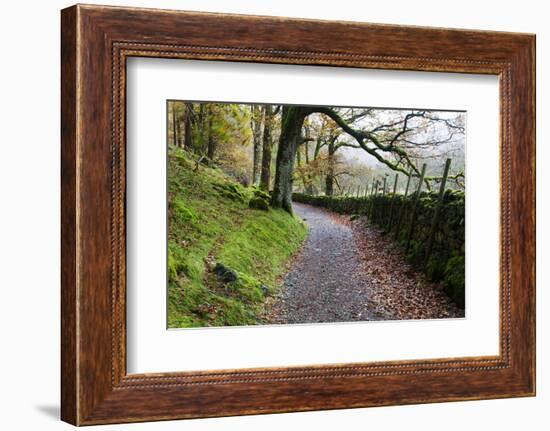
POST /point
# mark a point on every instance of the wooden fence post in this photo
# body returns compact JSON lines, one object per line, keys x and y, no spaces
{"x":437,"y":211}
{"x":392,"y":201}
{"x":382,"y":205}
{"x":403,"y":204}
{"x":415,"y":207}
{"x":373,"y":198}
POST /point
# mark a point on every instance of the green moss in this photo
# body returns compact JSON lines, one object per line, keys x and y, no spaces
{"x":416,"y":249}
{"x":454,"y":279}
{"x":263,"y":244}
{"x":181,"y":211}
{"x":258,"y":204}
{"x":172,"y":266}
{"x":232,"y":191}
{"x":259,"y":193}
{"x":210,"y":221}
{"x":435,"y":269}
{"x":247,"y":288}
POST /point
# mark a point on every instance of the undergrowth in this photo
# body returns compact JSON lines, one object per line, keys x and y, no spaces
{"x":211,"y":223}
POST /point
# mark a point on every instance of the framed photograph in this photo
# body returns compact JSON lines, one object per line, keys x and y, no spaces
{"x":267,"y":215}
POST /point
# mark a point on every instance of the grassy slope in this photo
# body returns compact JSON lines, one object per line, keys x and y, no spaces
{"x":209,"y":223}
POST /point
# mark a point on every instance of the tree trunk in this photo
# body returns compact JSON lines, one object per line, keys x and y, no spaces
{"x":308,"y":183}
{"x":329,"y":180}
{"x":179,"y":129}
{"x":318,"y":145}
{"x":203,"y":130}
{"x":266,"y":149}
{"x":257,"y":114}
{"x":174,"y":125}
{"x":211,"y":147}
{"x":291,"y":129}
{"x":329,"y":185}
{"x":188,"y":139}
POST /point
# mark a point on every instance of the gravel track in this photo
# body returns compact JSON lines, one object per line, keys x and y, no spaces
{"x":326,"y":282}
{"x":349,"y":271}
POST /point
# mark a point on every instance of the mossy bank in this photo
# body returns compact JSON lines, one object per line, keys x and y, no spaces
{"x":226,"y":249}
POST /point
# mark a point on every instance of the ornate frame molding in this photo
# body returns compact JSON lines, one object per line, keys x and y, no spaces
{"x":96,"y":41}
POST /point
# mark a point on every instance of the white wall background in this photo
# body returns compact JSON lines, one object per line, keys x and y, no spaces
{"x":29,"y":214}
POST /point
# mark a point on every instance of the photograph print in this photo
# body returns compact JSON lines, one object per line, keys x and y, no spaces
{"x":299,"y":214}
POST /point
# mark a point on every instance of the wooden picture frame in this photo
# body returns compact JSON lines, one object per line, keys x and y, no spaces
{"x":95,"y":43}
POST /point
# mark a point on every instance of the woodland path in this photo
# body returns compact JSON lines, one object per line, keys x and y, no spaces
{"x":348,"y":271}
{"x":326,"y":283}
